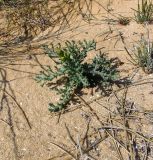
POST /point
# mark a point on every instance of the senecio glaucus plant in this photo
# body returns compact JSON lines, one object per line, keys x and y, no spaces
{"x":73,"y":72}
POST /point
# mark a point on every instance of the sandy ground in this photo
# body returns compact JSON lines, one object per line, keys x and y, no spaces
{"x":32,"y":139}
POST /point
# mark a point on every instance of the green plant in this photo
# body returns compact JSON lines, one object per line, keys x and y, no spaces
{"x":144,"y":12}
{"x":74,"y":72}
{"x":143,"y":54}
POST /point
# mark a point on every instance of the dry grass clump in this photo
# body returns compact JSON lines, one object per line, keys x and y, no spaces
{"x":28,"y":18}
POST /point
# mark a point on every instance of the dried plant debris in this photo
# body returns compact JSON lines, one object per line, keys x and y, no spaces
{"x":126,"y":128}
{"x":28,"y":18}
{"x":124,"y":20}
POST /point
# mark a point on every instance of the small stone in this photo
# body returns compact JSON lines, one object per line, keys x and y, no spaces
{"x":23,"y":149}
{"x":97,"y":95}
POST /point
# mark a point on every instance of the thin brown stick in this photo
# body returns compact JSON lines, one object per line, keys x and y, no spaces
{"x":63,"y":149}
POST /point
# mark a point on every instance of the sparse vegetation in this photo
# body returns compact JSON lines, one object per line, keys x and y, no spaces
{"x":143,"y":54}
{"x":102,"y":106}
{"x":75,"y":72}
{"x":144,"y":12}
